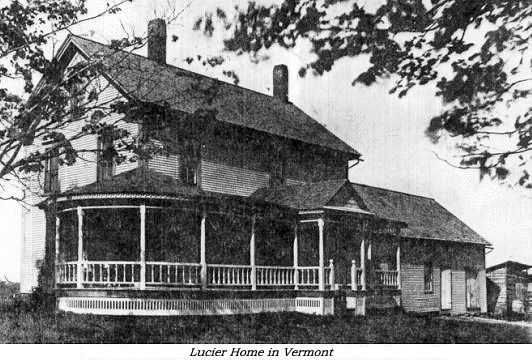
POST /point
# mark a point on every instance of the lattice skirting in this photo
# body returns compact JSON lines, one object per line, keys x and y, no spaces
{"x":170,"y":307}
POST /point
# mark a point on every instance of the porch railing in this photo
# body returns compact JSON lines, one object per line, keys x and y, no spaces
{"x":166,"y":273}
{"x":128,"y":274}
{"x":386,"y":278}
{"x":228,"y":275}
{"x":66,"y":273}
{"x":111,"y":272}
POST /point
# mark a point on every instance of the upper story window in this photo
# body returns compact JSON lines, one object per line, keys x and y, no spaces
{"x":51,"y":172}
{"x":428,"y":278}
{"x":190,"y":161}
{"x":277,"y":168}
{"x":105,"y":157}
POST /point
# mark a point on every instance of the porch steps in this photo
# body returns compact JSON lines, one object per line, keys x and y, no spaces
{"x":382,"y":298}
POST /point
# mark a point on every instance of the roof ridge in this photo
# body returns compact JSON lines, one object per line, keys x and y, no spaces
{"x":186,"y":70}
{"x":395,"y":191}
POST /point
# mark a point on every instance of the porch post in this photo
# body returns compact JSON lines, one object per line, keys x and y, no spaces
{"x":56,"y":258}
{"x":398,"y":266}
{"x":296,"y":258}
{"x":79,"y":277}
{"x":363,"y":264}
{"x":321,"y":269}
{"x":252,"y":255}
{"x":142,"y":247}
{"x":353,"y":275}
{"x":203,"y":257}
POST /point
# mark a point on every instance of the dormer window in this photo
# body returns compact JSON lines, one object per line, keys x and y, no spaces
{"x":105,"y":157}
{"x":190,"y":161}
{"x":51,"y":172}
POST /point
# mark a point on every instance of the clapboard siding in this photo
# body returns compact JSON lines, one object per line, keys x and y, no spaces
{"x":33,"y":236}
{"x":168,"y":165}
{"x":413,"y":295}
{"x":442,"y":255}
{"x":231,"y":180}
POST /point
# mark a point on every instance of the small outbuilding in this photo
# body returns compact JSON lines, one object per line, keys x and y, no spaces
{"x":508,"y":285}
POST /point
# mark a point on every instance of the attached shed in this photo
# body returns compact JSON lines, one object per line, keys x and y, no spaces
{"x":508,"y":284}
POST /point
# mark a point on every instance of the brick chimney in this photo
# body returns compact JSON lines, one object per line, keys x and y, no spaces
{"x":280,"y":82}
{"x":157,"y":40}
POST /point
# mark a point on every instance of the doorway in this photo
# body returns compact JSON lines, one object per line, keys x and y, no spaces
{"x":446,"y":299}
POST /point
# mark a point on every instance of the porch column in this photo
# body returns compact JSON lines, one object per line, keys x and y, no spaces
{"x":252,"y":255}
{"x":143,"y":247}
{"x":56,"y":258}
{"x":363,"y":264}
{"x":203,"y":257}
{"x":296,"y":258}
{"x":79,"y":277}
{"x":354,"y":285}
{"x":398,"y":266}
{"x":321,"y":269}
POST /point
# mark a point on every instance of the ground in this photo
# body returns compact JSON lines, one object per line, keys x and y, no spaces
{"x":23,"y":324}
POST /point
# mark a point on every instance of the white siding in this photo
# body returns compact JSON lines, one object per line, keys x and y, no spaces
{"x":168,"y":165}
{"x":33,"y":238}
{"x":231,"y":180}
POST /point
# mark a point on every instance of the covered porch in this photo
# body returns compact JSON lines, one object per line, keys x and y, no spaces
{"x":220,"y":248}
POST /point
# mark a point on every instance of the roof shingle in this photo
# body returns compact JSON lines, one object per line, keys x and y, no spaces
{"x":183,"y":90}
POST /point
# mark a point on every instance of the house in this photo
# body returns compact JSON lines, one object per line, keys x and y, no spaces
{"x":248,"y":210}
{"x":508,"y":285}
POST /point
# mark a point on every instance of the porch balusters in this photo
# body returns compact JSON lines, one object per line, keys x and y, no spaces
{"x":79,"y":278}
{"x":252,"y":255}
{"x":296,"y":259}
{"x":321,"y":264}
{"x":203,"y":258}
{"x":398,"y":266}
{"x":142,"y":247}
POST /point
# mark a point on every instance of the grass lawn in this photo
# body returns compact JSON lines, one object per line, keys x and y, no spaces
{"x":34,"y":326}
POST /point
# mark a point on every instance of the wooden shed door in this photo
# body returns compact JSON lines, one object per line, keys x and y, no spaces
{"x":446,"y":301}
{"x":472,"y":291}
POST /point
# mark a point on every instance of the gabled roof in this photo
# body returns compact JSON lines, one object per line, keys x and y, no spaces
{"x":425,"y":217}
{"x":186,"y":91}
{"x":510,"y":264}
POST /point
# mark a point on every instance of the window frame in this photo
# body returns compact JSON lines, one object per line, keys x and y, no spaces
{"x":190,"y":162}
{"x":105,"y":168}
{"x":428,"y":277}
{"x":51,"y":172}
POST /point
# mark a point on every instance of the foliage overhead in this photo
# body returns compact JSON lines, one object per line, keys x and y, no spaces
{"x":475,"y":53}
{"x":40,"y":98}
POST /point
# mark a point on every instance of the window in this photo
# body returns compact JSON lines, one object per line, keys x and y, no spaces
{"x":105,"y":156}
{"x":51,"y":172}
{"x":189,"y":164}
{"x":428,"y":280}
{"x":277,"y":168}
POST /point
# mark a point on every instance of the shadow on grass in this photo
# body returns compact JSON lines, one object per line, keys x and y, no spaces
{"x":19,"y":324}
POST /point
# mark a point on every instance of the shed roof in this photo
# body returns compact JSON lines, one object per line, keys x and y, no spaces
{"x":183,"y":90}
{"x":509,"y":264}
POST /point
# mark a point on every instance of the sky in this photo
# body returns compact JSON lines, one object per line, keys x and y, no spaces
{"x":389,"y":132}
